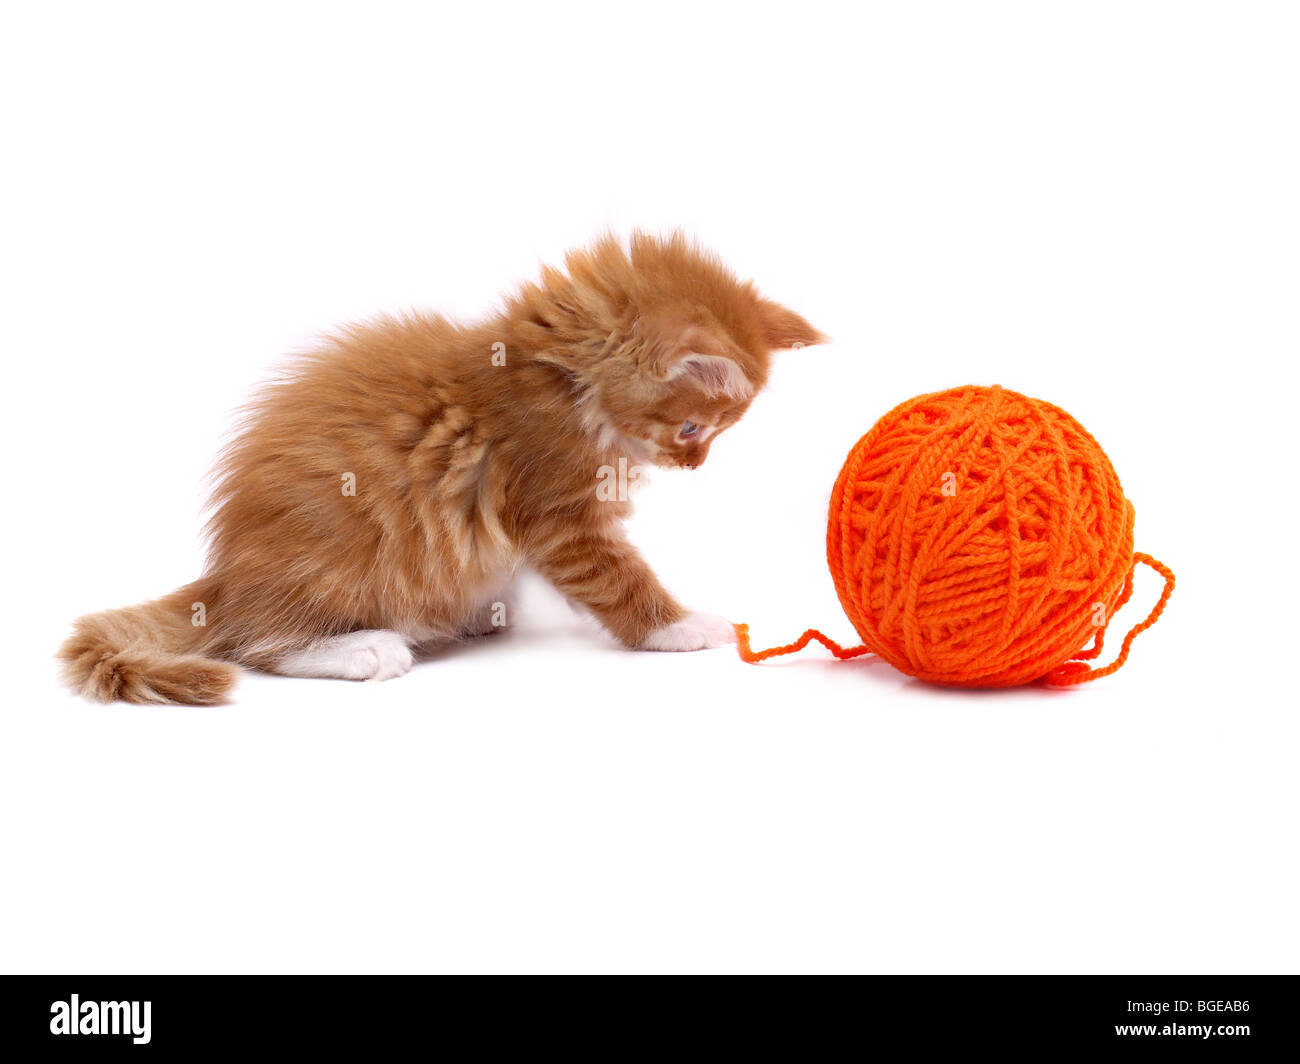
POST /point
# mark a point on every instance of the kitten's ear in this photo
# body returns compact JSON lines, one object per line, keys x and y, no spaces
{"x":714,"y":374}
{"x":783,"y":328}
{"x":684,"y":349}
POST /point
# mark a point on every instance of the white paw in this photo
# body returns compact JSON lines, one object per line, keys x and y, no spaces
{"x":377,"y":655}
{"x":365,"y":655}
{"x":695,"y":631}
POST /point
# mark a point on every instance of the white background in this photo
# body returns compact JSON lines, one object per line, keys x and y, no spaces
{"x":1093,"y":203}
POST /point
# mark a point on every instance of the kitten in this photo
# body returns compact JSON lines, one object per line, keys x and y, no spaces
{"x":382,"y":495}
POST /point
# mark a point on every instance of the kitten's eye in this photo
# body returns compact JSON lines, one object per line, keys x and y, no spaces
{"x":689,"y":429}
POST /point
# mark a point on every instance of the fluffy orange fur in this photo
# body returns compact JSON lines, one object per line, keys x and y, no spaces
{"x":470,"y":451}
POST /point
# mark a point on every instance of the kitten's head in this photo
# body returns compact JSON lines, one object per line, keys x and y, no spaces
{"x":668,"y":347}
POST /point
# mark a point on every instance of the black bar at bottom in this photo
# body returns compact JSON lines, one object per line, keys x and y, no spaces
{"x":610,"y":1016}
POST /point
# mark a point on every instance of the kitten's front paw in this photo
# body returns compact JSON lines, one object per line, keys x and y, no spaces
{"x":695,"y":631}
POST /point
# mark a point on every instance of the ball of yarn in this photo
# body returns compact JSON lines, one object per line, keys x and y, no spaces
{"x":980,"y":538}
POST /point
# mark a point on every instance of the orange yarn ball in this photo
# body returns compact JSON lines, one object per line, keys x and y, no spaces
{"x":980,"y":538}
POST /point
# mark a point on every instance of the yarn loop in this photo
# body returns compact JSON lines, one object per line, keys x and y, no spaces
{"x":980,"y":538}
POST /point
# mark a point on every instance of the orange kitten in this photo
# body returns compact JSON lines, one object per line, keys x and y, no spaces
{"x":383,"y":495}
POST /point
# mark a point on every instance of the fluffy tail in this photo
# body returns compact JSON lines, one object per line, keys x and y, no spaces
{"x":147,"y":653}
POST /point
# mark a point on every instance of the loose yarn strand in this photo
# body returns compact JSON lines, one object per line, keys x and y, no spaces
{"x":1072,"y":672}
{"x":754,"y":656}
{"x":1075,"y":671}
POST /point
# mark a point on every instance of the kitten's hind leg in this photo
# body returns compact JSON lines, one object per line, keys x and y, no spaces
{"x":489,"y":618}
{"x":364,"y":655}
